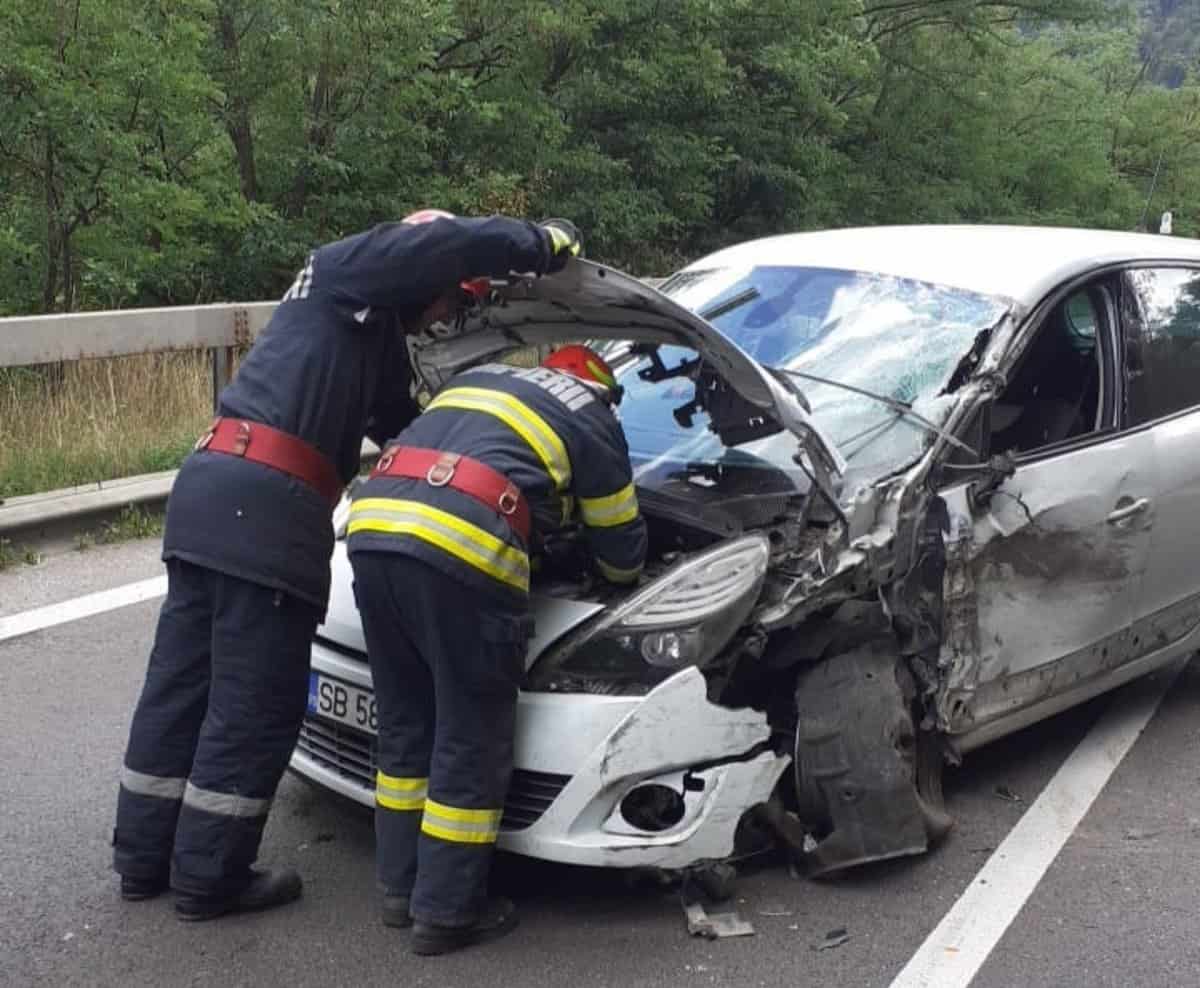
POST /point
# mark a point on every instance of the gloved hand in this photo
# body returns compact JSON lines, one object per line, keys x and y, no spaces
{"x":564,"y":241}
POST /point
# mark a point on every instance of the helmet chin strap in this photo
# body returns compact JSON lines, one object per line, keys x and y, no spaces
{"x":608,"y":395}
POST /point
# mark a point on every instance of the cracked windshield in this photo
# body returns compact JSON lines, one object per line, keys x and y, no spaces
{"x":897,"y":338}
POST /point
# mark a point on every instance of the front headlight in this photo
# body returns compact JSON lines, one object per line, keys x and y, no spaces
{"x":683,"y":618}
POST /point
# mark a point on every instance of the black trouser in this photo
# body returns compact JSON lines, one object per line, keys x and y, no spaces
{"x":219,"y":714}
{"x":446,"y":661}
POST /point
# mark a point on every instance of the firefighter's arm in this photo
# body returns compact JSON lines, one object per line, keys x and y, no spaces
{"x":607,"y":503}
{"x":395,"y":265}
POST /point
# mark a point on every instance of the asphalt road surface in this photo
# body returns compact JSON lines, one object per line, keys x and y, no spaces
{"x":1117,"y":906}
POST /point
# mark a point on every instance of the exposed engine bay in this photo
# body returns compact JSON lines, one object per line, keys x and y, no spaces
{"x":690,"y":507}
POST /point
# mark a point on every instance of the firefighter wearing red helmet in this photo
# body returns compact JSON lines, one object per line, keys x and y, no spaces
{"x":440,"y":539}
{"x":248,"y":542}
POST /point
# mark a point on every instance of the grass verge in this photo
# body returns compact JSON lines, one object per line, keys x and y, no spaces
{"x":12,"y":555}
{"x":134,"y":522}
{"x":104,"y":419}
{"x":100,"y":419}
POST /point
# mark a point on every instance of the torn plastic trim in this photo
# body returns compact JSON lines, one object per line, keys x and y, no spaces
{"x":672,"y":730}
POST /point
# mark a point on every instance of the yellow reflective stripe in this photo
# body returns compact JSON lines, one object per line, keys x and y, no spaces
{"x":615,"y":574}
{"x":448,"y":532}
{"x":519,"y":417}
{"x":613,"y":509}
{"x":465,"y":826}
{"x":458,"y":815}
{"x":399,"y":793}
{"x":400,"y":783}
{"x":459,"y":836}
{"x":600,"y":374}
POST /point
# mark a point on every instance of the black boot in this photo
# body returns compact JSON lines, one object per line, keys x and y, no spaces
{"x":136,"y":889}
{"x":267,"y":889}
{"x":499,"y":917}
{"x":395,"y":911}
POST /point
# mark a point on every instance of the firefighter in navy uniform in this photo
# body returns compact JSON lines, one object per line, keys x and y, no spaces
{"x":248,"y":542}
{"x":440,"y":540}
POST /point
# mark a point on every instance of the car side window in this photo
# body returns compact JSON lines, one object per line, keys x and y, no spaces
{"x":1056,"y":392}
{"x":1160,"y":309}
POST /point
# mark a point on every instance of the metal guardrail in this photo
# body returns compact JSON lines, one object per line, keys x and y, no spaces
{"x":31,"y":340}
{"x":59,"y":338}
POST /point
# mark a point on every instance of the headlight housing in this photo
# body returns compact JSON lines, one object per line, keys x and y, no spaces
{"x":683,"y":618}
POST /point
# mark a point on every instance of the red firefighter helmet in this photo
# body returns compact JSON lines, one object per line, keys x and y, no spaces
{"x":477,"y":288}
{"x":586,"y":364}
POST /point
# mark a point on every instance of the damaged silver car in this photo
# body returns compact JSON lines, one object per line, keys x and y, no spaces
{"x":908,"y":490}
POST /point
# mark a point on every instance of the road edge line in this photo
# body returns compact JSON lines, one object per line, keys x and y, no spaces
{"x":40,"y":618}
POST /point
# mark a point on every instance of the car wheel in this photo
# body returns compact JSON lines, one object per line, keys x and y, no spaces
{"x":868,"y":783}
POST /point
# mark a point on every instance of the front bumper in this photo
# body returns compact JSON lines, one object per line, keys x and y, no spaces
{"x":577,"y":756}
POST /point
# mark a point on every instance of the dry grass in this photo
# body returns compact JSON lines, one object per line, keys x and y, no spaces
{"x":103,"y":419}
{"x":108,"y":418}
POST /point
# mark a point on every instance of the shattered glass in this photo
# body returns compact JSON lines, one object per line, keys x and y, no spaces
{"x":896,"y":337}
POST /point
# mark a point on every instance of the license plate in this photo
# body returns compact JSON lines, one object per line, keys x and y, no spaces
{"x":335,"y":700}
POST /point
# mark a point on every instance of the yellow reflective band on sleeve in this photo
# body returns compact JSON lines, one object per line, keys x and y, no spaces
{"x":616,"y":575}
{"x":448,"y":532}
{"x":452,"y":823}
{"x":614,"y":509}
{"x":397,"y":793}
{"x":519,"y":417}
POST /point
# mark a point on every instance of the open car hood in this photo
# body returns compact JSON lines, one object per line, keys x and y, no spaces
{"x":589,"y":301}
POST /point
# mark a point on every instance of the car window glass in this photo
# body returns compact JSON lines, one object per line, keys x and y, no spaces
{"x":1055,"y":392}
{"x":1162,"y":342}
{"x":893,"y":336}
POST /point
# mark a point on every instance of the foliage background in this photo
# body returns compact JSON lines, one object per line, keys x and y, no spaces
{"x":174,"y":151}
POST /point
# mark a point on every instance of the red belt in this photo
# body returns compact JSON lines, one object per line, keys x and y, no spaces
{"x":262,"y":444}
{"x":488,"y":486}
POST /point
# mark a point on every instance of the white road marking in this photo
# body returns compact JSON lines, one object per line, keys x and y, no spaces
{"x":25,"y":622}
{"x":954,"y":952}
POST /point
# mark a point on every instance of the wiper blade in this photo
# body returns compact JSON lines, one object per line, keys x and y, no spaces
{"x":899,"y":407}
{"x":731,"y":303}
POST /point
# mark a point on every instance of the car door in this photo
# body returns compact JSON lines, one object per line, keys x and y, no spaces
{"x":1160,"y":315}
{"x":1044,"y":572}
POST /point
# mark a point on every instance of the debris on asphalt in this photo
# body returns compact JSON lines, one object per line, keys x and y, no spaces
{"x":324,"y":838}
{"x":775,"y":911}
{"x":68,"y":936}
{"x":834,"y":938}
{"x":1005,"y":793}
{"x":715,"y":926}
{"x":1138,"y":834}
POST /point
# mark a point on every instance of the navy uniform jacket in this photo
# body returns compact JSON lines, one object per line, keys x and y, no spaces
{"x":330,"y":367}
{"x":550,"y":436}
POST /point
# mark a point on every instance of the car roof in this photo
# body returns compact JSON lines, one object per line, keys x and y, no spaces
{"x":1022,"y":263}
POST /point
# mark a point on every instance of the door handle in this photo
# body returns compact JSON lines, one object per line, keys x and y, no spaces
{"x":1128,"y":511}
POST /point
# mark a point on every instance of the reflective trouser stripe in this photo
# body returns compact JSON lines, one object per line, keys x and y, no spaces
{"x":611,"y":510}
{"x":519,"y":417}
{"x":448,"y":532}
{"x":462,"y":826}
{"x":396,"y":793}
{"x":616,"y":574}
{"x":160,"y":786}
{"x":224,"y":803}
